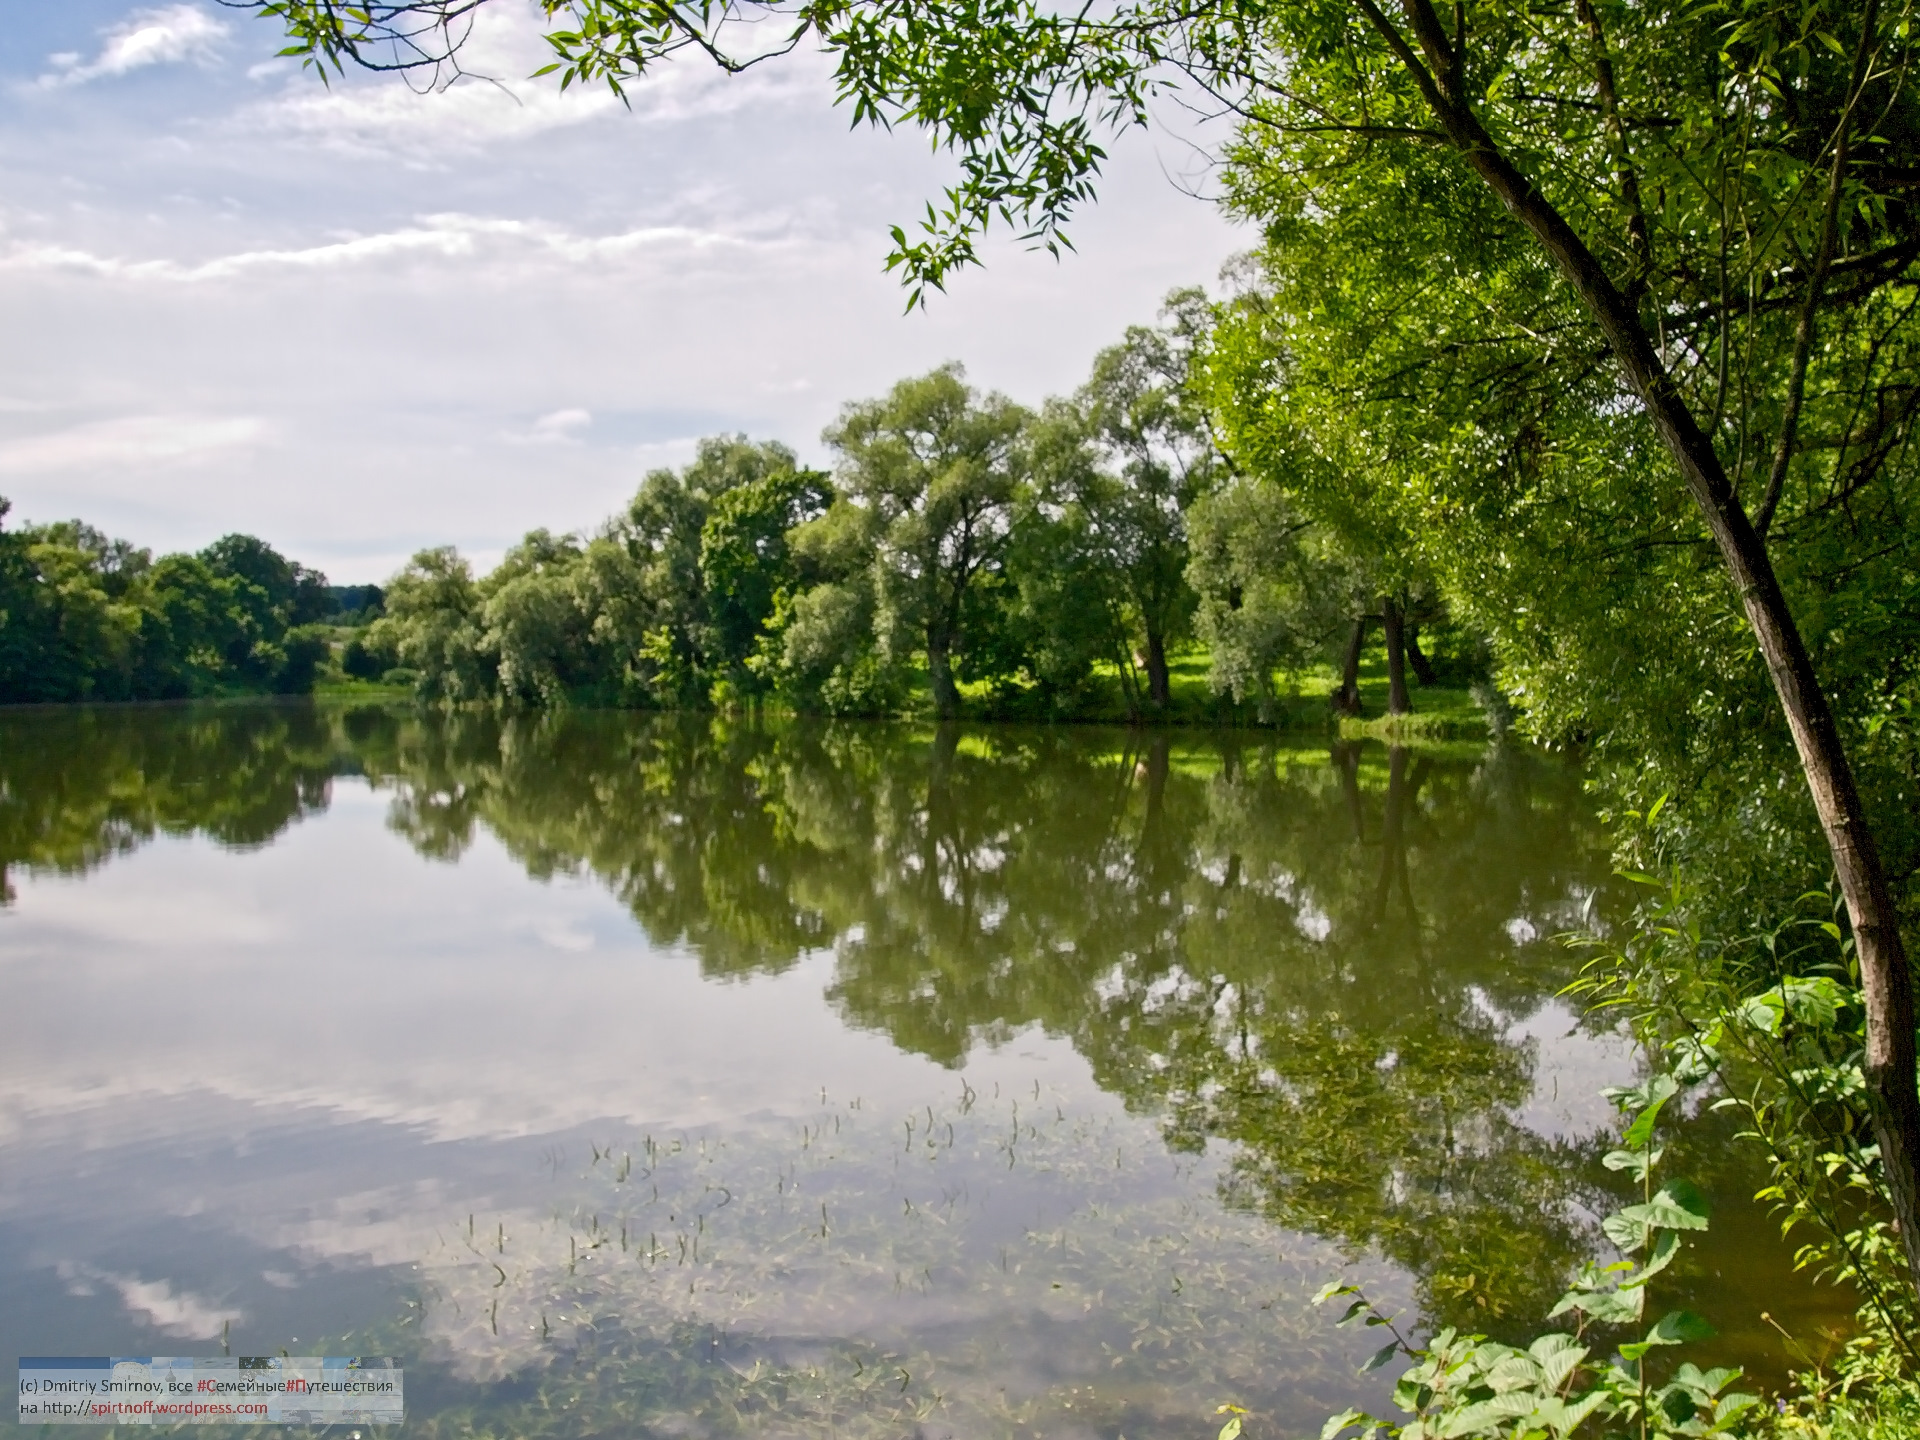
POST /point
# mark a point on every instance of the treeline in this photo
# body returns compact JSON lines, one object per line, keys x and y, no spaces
{"x":1034,"y":561}
{"x":85,"y":617}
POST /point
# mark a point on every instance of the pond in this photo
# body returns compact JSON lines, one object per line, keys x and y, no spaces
{"x":642,"y":1075}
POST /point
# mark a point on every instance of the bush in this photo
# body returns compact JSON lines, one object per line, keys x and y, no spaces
{"x":305,"y":647}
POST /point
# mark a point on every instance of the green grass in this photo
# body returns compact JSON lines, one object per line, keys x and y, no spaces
{"x":345,"y":687}
{"x":1440,"y":712}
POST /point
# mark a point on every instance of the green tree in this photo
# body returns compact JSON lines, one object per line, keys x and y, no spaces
{"x":934,"y":466}
{"x":532,"y":627}
{"x":664,"y":532}
{"x":433,"y":615}
{"x":822,"y":648}
{"x":748,"y":566}
{"x":1149,"y":421}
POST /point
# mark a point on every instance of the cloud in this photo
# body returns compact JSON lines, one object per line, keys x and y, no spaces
{"x":165,"y":36}
{"x":130,"y":440}
{"x":383,"y":120}
{"x":559,"y":427}
{"x":155,"y":1302}
{"x":443,"y":237}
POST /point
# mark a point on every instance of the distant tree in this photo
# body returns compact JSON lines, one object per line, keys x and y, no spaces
{"x":934,"y":466}
{"x":1151,"y":428}
{"x":748,"y":565}
{"x":532,"y":627}
{"x":664,"y":532}
{"x":1270,"y":592}
{"x":823,"y":651}
{"x":432,"y":614}
{"x":356,"y":604}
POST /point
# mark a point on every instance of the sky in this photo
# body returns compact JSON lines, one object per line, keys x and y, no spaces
{"x":356,"y":320}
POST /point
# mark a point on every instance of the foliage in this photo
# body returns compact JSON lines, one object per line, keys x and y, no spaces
{"x":1465,"y":1385}
{"x":85,"y":617}
{"x":1104,"y":569}
{"x":1038,"y":559}
{"x":1774,"y":1017}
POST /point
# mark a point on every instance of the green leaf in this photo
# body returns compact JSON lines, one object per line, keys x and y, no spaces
{"x":1558,"y":1356}
{"x":1677,"y":1205}
{"x":1684,"y":1197}
{"x":1380,"y":1357}
{"x":1677,"y":1327}
{"x":1730,"y":1406}
{"x":1603,"y":1307}
{"x":1564,"y":1417}
{"x":1635,"y":1162}
{"x":1339,"y":1422}
{"x":1486,"y":1415}
{"x":1665,"y":1247}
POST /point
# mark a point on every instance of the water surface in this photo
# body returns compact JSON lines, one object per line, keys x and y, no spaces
{"x":665,"y":1076}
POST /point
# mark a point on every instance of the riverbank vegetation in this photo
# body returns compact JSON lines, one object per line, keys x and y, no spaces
{"x":1097,"y":558}
{"x":87,"y":617}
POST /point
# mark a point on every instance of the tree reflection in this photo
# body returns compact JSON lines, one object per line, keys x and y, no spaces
{"x":1316,"y":959}
{"x":79,"y":786}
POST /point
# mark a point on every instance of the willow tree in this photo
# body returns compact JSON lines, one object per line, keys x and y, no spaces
{"x":1718,"y":189}
{"x":933,"y":467}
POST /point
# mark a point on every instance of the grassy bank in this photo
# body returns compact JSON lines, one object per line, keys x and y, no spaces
{"x":1301,"y":704}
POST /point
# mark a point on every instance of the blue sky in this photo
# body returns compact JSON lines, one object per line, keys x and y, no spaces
{"x":360,"y":320}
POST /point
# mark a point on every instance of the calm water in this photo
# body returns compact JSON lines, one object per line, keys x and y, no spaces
{"x":642,"y":1076}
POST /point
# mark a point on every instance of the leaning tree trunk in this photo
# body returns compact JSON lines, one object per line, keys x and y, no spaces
{"x":1423,"y":670}
{"x":1393,"y":621}
{"x":1159,"y":683}
{"x":1346,"y":699}
{"x":1886,"y":982}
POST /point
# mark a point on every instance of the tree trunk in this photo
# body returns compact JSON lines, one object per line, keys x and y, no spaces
{"x":1422,"y":667}
{"x":1393,"y":622}
{"x":946,"y":696}
{"x":1346,"y":700}
{"x":1886,"y":981}
{"x":1159,"y":684}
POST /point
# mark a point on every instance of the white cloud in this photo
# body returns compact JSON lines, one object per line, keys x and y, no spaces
{"x":397,"y":287}
{"x":557,"y":427}
{"x":380,"y":120}
{"x":155,"y":1302}
{"x":431,"y":237}
{"x":130,"y":440}
{"x":165,"y":36}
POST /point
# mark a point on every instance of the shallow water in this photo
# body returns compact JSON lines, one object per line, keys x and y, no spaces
{"x":657,"y":1076}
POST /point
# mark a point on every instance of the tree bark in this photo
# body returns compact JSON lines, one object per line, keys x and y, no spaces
{"x":1346,"y":700}
{"x":946,"y":695}
{"x":1886,"y":980}
{"x":1423,"y":670}
{"x":1159,"y":684}
{"x":1393,"y":621}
